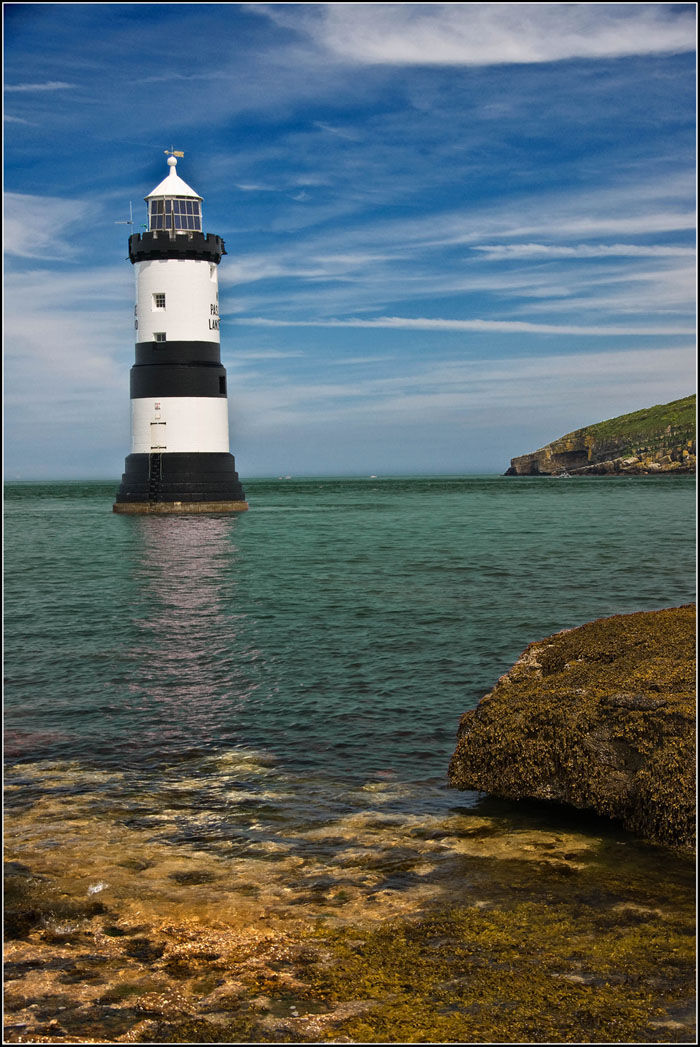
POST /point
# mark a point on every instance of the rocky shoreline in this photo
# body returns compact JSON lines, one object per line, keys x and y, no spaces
{"x":481,"y":925}
{"x":601,"y":717}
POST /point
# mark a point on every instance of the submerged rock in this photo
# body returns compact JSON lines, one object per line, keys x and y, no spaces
{"x":601,"y":717}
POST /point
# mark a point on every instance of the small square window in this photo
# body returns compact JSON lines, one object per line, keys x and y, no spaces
{"x":159,"y":336}
{"x":159,"y":301}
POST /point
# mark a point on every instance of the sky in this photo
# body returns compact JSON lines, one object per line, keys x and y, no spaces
{"x":454,"y":232}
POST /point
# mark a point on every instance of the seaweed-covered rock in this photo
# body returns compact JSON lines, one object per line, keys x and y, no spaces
{"x":600,"y":717}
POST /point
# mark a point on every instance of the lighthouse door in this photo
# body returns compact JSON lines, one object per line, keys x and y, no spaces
{"x":157,"y":436}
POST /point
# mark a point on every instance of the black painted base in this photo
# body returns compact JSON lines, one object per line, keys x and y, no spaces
{"x":203,"y":477}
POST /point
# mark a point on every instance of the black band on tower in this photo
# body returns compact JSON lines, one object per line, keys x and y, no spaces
{"x":204,"y":379}
{"x":178,"y":353}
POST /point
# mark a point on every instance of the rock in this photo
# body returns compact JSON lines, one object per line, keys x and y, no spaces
{"x":659,"y":439}
{"x":601,"y":717}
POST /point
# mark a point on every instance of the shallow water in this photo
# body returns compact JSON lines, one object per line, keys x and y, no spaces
{"x":243,"y":724}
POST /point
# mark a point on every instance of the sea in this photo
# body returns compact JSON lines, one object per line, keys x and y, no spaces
{"x":263,"y":694}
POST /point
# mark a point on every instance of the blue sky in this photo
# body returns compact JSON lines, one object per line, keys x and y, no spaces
{"x":454,"y":231}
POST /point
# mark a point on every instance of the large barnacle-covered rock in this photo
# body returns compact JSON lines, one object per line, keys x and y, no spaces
{"x":601,"y":717}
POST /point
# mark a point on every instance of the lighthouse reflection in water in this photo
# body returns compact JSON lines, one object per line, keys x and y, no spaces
{"x":191,"y":677}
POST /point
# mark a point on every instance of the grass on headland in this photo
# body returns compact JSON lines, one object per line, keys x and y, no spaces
{"x":646,"y":426}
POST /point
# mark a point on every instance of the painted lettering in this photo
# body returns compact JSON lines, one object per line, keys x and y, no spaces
{"x":213,"y":325}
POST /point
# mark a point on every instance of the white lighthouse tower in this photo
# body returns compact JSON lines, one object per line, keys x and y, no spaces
{"x":180,"y":460}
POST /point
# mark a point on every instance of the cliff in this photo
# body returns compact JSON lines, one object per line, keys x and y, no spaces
{"x":659,"y":439}
{"x":600,"y":717}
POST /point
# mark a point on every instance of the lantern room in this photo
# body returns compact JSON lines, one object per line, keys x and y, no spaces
{"x":173,"y":205}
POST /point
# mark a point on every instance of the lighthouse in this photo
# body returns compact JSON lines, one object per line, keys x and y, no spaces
{"x":180,"y":460}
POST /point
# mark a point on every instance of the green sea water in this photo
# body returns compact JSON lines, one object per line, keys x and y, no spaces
{"x":280,"y":690}
{"x":341,"y":625}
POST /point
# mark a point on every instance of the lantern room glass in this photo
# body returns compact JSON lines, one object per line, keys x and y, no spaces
{"x":176,"y":214}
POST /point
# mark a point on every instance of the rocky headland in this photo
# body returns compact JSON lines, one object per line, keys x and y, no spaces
{"x":658,"y":439}
{"x":601,"y":717}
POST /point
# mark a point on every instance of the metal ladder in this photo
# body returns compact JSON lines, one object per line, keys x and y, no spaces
{"x":155,"y":475}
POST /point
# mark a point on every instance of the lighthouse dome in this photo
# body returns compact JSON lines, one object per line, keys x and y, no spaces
{"x":173,"y":185}
{"x":173,"y":204}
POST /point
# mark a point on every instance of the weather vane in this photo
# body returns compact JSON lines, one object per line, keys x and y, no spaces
{"x":172,"y":152}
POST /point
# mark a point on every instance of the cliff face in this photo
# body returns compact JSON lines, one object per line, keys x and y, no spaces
{"x":599,"y":717}
{"x":658,"y":439}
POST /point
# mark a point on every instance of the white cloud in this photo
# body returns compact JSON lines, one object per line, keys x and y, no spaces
{"x":35,"y":225}
{"x":302,"y":263}
{"x":69,"y":289}
{"x":366,"y":285}
{"x":641,"y":209}
{"x":376,"y":266}
{"x":669,"y":291}
{"x":492,"y":326}
{"x":68,"y":336}
{"x":49,"y":85}
{"x":255,"y":187}
{"x":478,"y":34}
{"x":641,"y":224}
{"x":492,"y":392}
{"x":633,"y":208}
{"x":340,"y":132}
{"x":345,"y":361}
{"x":267,"y":354}
{"x":498,"y":252}
{"x":252,"y":268}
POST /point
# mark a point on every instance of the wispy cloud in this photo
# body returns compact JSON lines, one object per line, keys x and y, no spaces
{"x":166,"y":78}
{"x":505,"y":252}
{"x":49,"y":85}
{"x":546,"y":219}
{"x":390,"y":265}
{"x":255,"y":187}
{"x":268,"y":354}
{"x":65,"y":353}
{"x":480,"y":34}
{"x":492,"y":326}
{"x":636,"y":225}
{"x":350,"y":134}
{"x":304,"y":286}
{"x":35,"y":226}
{"x":353,"y":361}
{"x":583,"y":384}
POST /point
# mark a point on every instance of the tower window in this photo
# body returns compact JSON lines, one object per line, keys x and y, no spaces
{"x":159,"y":336}
{"x":222,"y":385}
{"x":159,"y":301}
